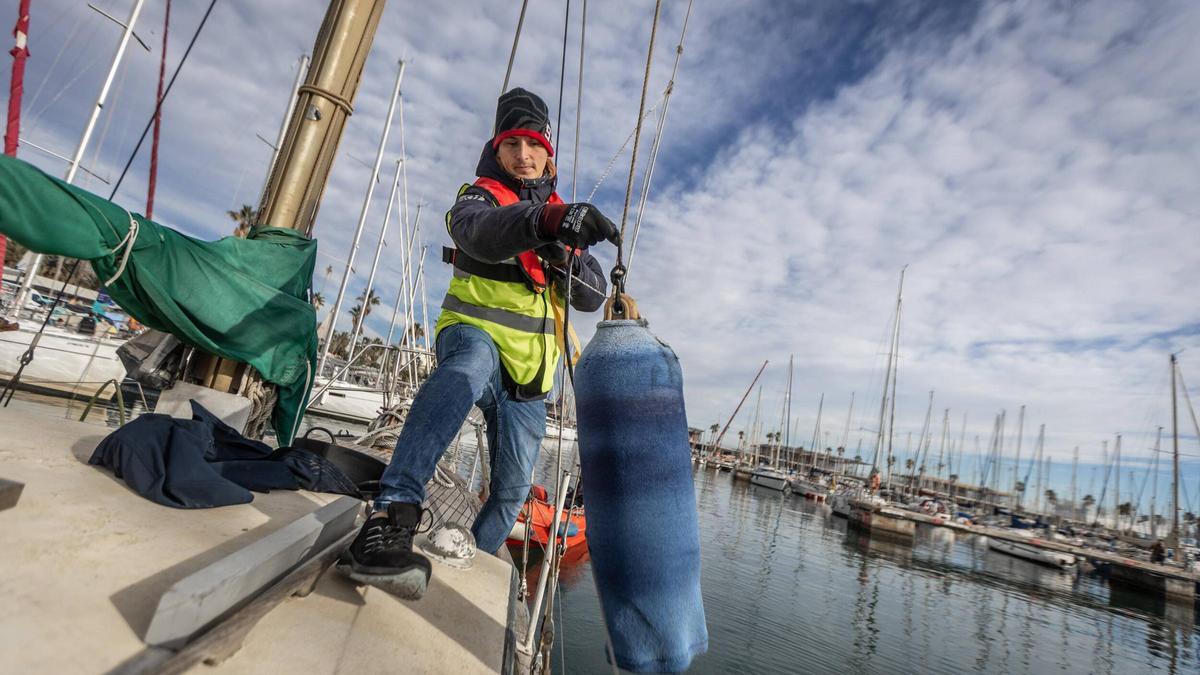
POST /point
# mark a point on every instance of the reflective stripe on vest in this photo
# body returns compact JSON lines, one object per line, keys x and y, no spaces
{"x":518,"y":316}
{"x":525,"y":324}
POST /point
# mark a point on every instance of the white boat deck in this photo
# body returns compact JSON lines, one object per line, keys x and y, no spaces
{"x":85,"y":562}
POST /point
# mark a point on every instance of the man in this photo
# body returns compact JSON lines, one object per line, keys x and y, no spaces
{"x":496,"y":344}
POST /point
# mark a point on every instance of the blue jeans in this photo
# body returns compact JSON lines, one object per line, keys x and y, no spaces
{"x":468,"y":373}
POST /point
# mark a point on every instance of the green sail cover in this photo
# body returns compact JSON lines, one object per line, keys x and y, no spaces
{"x":241,"y":299}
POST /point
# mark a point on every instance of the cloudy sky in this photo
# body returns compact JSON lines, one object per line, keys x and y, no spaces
{"x":1033,"y":164}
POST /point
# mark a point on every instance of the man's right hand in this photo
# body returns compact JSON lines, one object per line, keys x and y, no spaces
{"x":577,"y":225}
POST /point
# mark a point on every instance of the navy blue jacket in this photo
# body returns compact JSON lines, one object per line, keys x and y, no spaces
{"x":492,"y":234}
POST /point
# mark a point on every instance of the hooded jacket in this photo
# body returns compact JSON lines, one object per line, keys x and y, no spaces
{"x":493,"y":234}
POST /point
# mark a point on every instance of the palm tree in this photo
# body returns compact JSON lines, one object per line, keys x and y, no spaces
{"x":328,"y":273}
{"x":318,"y":300}
{"x":339,"y":343}
{"x":415,"y":333}
{"x":1088,"y":501}
{"x":245,"y":218}
{"x":357,"y":313}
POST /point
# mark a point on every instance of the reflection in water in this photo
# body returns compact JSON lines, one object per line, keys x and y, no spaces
{"x":787,"y":588}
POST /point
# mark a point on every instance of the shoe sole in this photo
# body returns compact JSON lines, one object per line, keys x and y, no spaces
{"x":410,"y":584}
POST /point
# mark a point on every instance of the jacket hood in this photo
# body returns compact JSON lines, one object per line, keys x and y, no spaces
{"x":536,"y":190}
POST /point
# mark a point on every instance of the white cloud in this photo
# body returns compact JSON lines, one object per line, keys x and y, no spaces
{"x":1035,"y":165}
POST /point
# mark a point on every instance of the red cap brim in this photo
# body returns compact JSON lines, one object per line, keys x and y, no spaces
{"x":530,"y":133}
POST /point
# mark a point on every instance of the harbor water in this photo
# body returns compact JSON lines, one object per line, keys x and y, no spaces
{"x":787,"y":589}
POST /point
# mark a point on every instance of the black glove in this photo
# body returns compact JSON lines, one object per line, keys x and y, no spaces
{"x":554,"y":253}
{"x":577,"y":225}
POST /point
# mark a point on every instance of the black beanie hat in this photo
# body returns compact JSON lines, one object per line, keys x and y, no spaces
{"x":522,"y":113}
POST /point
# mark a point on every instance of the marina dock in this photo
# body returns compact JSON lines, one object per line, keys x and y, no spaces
{"x":1171,"y":583}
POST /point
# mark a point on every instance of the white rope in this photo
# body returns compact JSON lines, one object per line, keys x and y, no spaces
{"x":127,"y":244}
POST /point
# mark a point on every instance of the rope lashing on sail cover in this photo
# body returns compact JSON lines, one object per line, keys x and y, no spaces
{"x":617,"y":275}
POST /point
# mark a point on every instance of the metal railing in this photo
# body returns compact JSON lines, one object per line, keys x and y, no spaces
{"x":387,"y":382}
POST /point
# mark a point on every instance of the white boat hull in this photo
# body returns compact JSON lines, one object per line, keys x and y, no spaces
{"x":810,"y":490}
{"x":64,"y":361}
{"x":840,"y":505}
{"x":1032,"y":553}
{"x":347,"y":402}
{"x":769,"y":479}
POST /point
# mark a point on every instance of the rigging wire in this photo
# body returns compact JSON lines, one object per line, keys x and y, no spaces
{"x":617,"y":274}
{"x":78,"y":50}
{"x":617,"y":155}
{"x":637,"y":133}
{"x":578,"y":100}
{"x":166,"y":92}
{"x":562,"y":72}
{"x":513,"y":53}
{"x":662,"y":119}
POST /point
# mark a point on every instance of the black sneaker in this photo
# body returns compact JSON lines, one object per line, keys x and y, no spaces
{"x":382,"y":554}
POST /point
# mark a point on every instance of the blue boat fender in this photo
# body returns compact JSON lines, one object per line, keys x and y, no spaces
{"x":642,"y":531}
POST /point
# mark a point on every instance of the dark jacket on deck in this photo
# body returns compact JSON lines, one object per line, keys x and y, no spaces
{"x":492,"y":234}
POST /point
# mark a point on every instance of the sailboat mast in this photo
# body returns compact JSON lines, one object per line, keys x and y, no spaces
{"x":73,"y":168}
{"x":1017,"y":459}
{"x":717,"y":443}
{"x":1174,"y":457}
{"x":923,"y":445}
{"x":1074,"y":492}
{"x":1117,"y":485}
{"x":407,"y":241}
{"x":942,"y":447}
{"x":962,"y":443}
{"x":387,"y":219}
{"x":887,"y":377}
{"x":162,"y":73}
{"x":754,"y":429}
{"x":301,"y":73}
{"x":895,"y":361}
{"x":816,"y":438}
{"x":846,"y":431}
{"x":787,"y":412}
{"x":362,"y":221}
{"x":1041,"y":477}
{"x":16,"y":88}
{"x":1154,"y":486}
{"x":424,"y":305}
